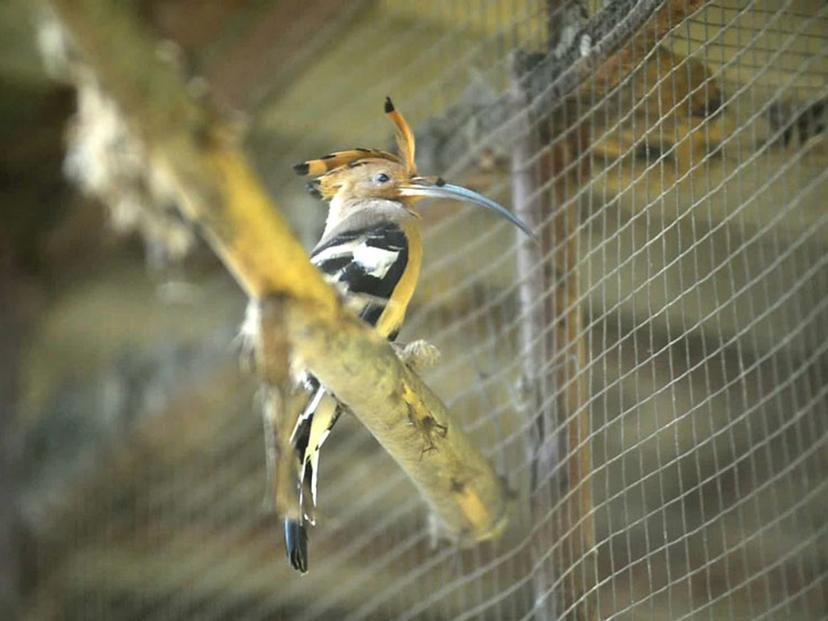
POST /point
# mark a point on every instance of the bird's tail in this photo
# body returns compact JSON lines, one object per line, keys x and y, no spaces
{"x":312,"y":428}
{"x":296,"y":544}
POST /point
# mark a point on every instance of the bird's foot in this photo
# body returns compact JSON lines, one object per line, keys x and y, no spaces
{"x":418,"y":355}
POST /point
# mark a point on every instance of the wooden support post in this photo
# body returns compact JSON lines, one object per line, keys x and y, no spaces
{"x":554,"y":354}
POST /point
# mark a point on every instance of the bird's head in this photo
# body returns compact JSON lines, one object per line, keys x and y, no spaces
{"x":365,"y":174}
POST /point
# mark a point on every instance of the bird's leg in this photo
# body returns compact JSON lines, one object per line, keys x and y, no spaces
{"x":418,"y":355}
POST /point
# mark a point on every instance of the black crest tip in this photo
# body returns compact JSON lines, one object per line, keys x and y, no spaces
{"x":389,"y":105}
{"x":301,"y":169}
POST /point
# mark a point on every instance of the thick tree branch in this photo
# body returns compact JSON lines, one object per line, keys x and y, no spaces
{"x":220,"y":193}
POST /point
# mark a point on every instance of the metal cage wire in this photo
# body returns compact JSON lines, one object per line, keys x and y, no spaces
{"x":679,"y":306}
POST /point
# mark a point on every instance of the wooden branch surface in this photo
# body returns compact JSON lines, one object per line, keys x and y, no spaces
{"x":220,"y":193}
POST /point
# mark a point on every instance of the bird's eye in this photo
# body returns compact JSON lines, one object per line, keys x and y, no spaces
{"x":382,"y":178}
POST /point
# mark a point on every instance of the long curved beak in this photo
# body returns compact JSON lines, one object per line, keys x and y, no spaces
{"x":437,"y":188}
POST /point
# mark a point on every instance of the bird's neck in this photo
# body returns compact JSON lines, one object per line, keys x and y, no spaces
{"x":342,"y":208}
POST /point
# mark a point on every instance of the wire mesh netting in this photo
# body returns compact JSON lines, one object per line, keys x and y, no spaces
{"x":649,"y":378}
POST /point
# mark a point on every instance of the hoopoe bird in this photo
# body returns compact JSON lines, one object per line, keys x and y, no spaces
{"x":371,"y":251}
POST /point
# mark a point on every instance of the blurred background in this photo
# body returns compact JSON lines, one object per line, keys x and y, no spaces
{"x":650,"y":380}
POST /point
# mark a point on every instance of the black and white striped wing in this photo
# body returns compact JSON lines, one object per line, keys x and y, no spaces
{"x":366,"y":264}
